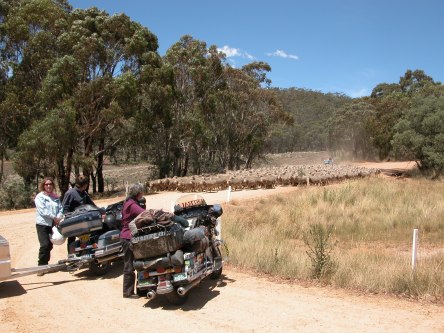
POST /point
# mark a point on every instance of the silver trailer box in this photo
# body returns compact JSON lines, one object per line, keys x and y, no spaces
{"x":5,"y":259}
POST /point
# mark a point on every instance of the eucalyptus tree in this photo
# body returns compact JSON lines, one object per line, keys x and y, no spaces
{"x":196,"y":75}
{"x":98,"y":77}
{"x":4,"y":138}
{"x":247,"y":111}
{"x":41,"y":147}
{"x":28,"y":35}
{"x":413,"y":81}
{"x":387,"y":112}
{"x":419,"y":134}
{"x":389,"y":100}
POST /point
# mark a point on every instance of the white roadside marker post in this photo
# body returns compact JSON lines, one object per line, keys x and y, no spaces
{"x":228,"y":193}
{"x":414,"y":248}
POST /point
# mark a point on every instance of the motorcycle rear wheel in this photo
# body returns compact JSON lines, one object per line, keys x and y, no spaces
{"x":176,"y":299}
{"x":99,"y":269}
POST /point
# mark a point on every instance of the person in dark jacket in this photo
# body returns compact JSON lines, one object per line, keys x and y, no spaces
{"x":74,"y":198}
{"x":131,"y":209}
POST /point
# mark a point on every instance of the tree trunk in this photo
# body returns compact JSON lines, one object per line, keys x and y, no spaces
{"x":185,"y":165}
{"x":64,"y":173}
{"x":94,"y":182}
{"x":99,"y":173}
{"x":87,"y":172}
{"x":2,"y":157}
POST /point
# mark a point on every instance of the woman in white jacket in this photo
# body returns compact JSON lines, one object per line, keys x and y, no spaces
{"x":48,"y":213}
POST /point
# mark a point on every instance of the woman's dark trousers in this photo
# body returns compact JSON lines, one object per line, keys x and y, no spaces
{"x":43,"y":233}
{"x":129,"y":278}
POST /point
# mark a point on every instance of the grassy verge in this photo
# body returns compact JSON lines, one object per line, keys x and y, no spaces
{"x":371,"y":234}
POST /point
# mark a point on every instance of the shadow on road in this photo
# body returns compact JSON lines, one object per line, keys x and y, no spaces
{"x":115,"y":271}
{"x":198,"y":296}
{"x":15,"y":288}
{"x":11,"y":289}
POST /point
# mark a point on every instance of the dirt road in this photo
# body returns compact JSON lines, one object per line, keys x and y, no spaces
{"x":238,"y":302}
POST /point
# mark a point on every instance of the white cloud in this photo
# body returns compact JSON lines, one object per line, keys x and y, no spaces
{"x":230,"y":51}
{"x":234,"y":52}
{"x":282,"y":54}
{"x":232,"y":62}
{"x":249,"y":56}
{"x":358,"y":93}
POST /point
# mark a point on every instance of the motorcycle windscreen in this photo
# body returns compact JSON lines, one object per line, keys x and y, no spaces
{"x":188,"y":201}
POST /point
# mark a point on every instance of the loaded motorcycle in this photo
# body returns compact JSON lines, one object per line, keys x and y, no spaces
{"x":171,"y":260}
{"x":97,"y":232}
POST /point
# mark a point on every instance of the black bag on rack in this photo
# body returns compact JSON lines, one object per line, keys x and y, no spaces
{"x":168,"y":239}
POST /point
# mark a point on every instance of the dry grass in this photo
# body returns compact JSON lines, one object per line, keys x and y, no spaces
{"x":373,"y":221}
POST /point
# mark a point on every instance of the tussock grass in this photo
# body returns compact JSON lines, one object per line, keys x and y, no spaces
{"x":372,"y":223}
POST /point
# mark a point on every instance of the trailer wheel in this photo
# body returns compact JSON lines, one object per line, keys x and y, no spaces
{"x":99,"y":269}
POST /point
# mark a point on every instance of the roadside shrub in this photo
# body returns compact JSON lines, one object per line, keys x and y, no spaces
{"x":15,"y":195}
{"x":111,"y":183}
{"x":320,"y":245}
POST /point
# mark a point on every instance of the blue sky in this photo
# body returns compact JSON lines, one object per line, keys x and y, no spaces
{"x":338,"y":46}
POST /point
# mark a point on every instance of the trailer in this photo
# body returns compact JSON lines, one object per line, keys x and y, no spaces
{"x":8,"y":273}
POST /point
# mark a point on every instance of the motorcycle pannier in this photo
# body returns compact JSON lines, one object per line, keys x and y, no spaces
{"x":82,"y":221}
{"x":158,"y":243}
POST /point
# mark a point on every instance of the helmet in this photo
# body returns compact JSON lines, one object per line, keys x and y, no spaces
{"x":142,"y":202}
{"x":56,"y":237}
{"x":216,"y":210}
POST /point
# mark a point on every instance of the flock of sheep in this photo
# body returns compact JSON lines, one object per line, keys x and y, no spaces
{"x":265,"y":178}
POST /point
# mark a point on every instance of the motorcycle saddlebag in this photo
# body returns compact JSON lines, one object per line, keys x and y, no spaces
{"x":108,"y":244}
{"x":158,"y":243}
{"x":82,"y":221}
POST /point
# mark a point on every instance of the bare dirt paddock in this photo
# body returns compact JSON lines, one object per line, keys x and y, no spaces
{"x":238,"y":302}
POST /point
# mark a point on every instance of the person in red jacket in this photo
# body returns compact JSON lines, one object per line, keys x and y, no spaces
{"x":131,"y":208}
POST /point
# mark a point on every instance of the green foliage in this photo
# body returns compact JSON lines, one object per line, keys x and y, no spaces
{"x":420,"y":134}
{"x":320,"y":246}
{"x":389,"y":101}
{"x":15,"y":194}
{"x":387,"y":112}
{"x":310,"y":112}
{"x":46,"y":142}
{"x":414,"y":81}
{"x":111,"y":183}
{"x":188,"y":112}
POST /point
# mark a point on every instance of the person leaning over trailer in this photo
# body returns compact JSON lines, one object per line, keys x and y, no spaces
{"x":131,"y":209}
{"x":74,"y":198}
{"x":48,"y":214}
